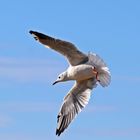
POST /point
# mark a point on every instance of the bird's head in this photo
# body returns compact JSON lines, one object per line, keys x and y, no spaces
{"x":61,"y":77}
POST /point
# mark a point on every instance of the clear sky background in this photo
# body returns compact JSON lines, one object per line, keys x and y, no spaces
{"x":29,"y":103}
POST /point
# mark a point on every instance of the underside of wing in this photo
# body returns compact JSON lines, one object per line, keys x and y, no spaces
{"x":67,"y":49}
{"x":73,"y":103}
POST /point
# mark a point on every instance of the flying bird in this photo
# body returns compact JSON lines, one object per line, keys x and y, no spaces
{"x":86,"y":69}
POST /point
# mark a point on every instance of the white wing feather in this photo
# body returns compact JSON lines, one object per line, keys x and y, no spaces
{"x":73,"y":103}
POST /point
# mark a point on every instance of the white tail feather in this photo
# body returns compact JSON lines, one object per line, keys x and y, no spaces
{"x":104,"y":76}
{"x":104,"y":79}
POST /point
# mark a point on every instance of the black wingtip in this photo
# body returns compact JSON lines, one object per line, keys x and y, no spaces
{"x":38,"y":34}
{"x":34,"y":34}
{"x":31,"y":32}
{"x":58,"y":132}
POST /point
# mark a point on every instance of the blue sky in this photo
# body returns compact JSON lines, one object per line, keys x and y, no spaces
{"x":29,"y":103}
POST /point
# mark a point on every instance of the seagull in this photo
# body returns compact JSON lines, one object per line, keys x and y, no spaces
{"x":86,"y":69}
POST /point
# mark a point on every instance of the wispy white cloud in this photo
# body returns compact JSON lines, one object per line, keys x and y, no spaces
{"x":129,"y":78}
{"x":27,"y":106}
{"x":5,"y":121}
{"x":28,"y":70}
{"x":101,"y":108}
{"x":114,"y":132}
{"x":22,"y":136}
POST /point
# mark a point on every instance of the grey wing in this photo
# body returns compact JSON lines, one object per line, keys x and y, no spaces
{"x":73,"y":103}
{"x":67,"y":49}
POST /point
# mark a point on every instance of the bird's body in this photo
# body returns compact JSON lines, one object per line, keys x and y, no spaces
{"x":86,"y":70}
{"x":80,"y":72}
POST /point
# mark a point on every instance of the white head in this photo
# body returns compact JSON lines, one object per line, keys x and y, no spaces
{"x":61,"y":77}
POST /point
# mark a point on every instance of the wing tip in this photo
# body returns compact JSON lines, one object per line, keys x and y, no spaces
{"x":34,"y":34}
{"x":58,"y":132}
{"x":37,"y":35}
{"x":31,"y":32}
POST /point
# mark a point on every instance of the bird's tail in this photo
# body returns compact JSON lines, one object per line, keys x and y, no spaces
{"x":104,"y":76}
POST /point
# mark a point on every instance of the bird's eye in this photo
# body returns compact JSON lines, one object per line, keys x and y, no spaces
{"x":59,"y":77}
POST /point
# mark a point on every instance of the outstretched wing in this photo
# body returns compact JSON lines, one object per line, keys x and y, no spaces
{"x":67,"y":49}
{"x":73,"y":103}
